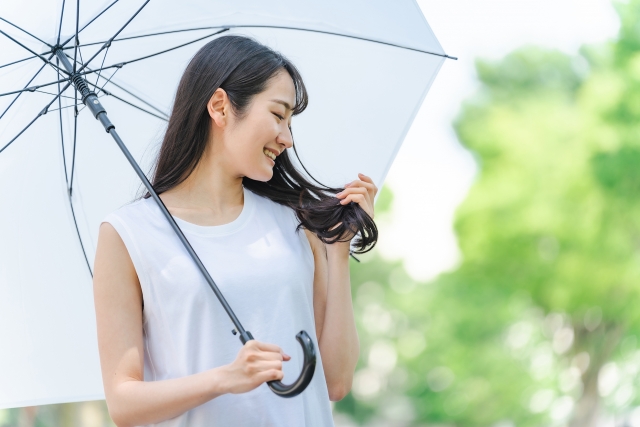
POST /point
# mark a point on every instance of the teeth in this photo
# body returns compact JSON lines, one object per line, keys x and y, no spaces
{"x":269,"y":154}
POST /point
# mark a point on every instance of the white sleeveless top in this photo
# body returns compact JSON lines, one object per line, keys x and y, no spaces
{"x":264,"y":268}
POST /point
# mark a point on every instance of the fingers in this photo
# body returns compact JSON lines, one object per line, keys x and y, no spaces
{"x":353,"y":193}
{"x":359,"y":199}
{"x":271,"y":375}
{"x":358,"y":195}
{"x":263,"y":346}
{"x":256,"y":363}
{"x":368,"y":187}
{"x":365,"y":182}
{"x":267,"y":347}
{"x":361,"y":191}
{"x":353,"y":190}
{"x":354,"y":196}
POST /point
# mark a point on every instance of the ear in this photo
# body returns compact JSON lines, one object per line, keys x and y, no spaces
{"x":219,"y":107}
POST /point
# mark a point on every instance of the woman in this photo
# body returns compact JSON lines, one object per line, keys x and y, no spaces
{"x":167,"y":355}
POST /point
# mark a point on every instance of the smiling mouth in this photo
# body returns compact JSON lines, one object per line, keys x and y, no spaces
{"x":269,"y":154}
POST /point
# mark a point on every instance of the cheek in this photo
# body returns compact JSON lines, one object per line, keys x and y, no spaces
{"x":247,"y":146}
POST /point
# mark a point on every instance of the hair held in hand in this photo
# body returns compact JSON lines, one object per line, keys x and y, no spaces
{"x":317,"y":208}
{"x":243,"y":67}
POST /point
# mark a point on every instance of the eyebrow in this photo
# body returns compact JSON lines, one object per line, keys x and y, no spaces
{"x":286,"y":104}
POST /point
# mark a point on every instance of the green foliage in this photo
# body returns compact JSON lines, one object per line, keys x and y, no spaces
{"x":618,"y":172}
{"x":384,"y":201}
{"x":544,"y":301}
{"x":528,"y":70}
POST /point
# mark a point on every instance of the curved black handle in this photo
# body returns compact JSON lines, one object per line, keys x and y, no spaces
{"x":308,"y":368}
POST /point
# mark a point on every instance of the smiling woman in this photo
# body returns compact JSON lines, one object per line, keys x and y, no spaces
{"x":224,"y":174}
{"x":264,"y":89}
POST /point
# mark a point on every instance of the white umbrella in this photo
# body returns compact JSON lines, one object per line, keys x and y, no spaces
{"x":367,"y":66}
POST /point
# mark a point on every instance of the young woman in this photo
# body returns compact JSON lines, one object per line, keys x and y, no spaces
{"x":276,"y":245}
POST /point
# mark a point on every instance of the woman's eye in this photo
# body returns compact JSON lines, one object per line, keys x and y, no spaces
{"x":278,"y":116}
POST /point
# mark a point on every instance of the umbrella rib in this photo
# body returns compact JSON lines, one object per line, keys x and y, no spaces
{"x":80,"y":54}
{"x":75,"y":136}
{"x":19,"y":60}
{"x":135,"y":106}
{"x":75,"y":222}
{"x":62,"y":108}
{"x":165,"y":116}
{"x":102,"y":65}
{"x":75,"y":44}
{"x":153,"y":35}
{"x":73,"y":163}
{"x":87,"y":24}
{"x":138,"y":98}
{"x":109,"y":79}
{"x":49,"y":93}
{"x":25,"y":31}
{"x":41,"y":113}
{"x":18,"y":96}
{"x":121,"y":64}
{"x":60,"y":25}
{"x":344,"y":35}
{"x":64,"y":157}
{"x":108,"y":93}
{"x":71,"y":106}
{"x":443,"y":55}
{"x":32,"y":88}
{"x":108,"y":43}
{"x":32,"y":52}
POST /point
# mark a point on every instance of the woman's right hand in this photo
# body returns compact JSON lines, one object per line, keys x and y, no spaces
{"x":256,"y":363}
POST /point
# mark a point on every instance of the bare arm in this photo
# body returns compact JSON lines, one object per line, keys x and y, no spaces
{"x":131,"y":400}
{"x":333,"y":310}
{"x":332,"y":304}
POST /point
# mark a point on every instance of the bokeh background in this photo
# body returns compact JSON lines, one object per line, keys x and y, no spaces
{"x":503,"y":291}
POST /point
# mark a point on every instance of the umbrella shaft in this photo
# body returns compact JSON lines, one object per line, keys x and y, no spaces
{"x":93,"y":103}
{"x":244,"y":335}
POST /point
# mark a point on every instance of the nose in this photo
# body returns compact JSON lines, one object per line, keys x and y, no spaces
{"x":285,"y":138}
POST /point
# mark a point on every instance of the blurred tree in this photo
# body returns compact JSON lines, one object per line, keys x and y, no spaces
{"x":554,"y":214}
{"x":538,"y":325}
{"x":79,"y":414}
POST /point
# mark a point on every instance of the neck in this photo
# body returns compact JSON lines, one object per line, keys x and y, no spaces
{"x":210,"y":190}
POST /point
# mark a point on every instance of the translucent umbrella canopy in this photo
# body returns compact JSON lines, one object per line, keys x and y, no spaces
{"x":367,"y":65}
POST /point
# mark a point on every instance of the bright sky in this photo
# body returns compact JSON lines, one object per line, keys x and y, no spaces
{"x":432,"y":172}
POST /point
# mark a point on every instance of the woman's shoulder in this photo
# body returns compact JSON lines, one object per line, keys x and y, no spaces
{"x":129,"y":212}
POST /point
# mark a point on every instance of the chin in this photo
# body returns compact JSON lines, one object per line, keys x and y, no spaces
{"x":262,"y":176}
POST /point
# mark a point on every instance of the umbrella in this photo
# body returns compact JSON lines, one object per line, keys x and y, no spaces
{"x":367,"y":66}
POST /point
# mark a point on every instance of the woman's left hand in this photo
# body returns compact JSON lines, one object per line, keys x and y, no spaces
{"x":361,"y":191}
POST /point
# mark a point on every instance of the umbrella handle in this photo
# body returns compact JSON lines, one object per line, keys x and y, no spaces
{"x":308,"y":368}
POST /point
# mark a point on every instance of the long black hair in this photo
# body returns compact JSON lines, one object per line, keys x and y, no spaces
{"x":243,"y":67}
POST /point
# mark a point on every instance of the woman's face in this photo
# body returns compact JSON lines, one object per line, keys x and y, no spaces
{"x":248,"y":145}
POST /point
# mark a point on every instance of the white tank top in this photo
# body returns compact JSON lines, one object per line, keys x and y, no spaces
{"x":264,"y":268}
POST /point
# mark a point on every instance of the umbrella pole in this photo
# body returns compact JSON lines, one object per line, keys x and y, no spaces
{"x":90,"y":99}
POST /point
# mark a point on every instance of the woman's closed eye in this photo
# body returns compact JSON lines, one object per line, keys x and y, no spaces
{"x":280,"y":118}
